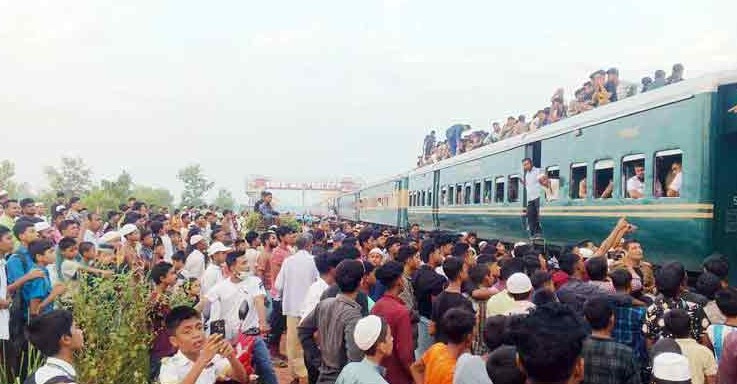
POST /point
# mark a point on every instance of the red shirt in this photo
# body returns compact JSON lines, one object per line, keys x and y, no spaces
{"x":277,"y":259}
{"x":396,"y":314}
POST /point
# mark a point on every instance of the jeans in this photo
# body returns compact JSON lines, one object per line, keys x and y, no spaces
{"x":452,"y":146}
{"x":424,"y":339}
{"x":533,"y":216}
{"x":261,"y":361}
{"x":278,"y":324}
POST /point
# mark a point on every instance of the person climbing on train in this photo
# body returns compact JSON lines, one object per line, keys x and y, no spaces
{"x":532,"y":187}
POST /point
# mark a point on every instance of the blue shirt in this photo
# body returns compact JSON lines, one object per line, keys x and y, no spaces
{"x":37,"y":289}
{"x":15,"y":264}
{"x":454,"y":132}
{"x":364,"y":372}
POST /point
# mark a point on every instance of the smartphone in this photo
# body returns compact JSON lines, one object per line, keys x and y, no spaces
{"x":217,"y":326}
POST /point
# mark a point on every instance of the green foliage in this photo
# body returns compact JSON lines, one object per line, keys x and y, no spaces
{"x":253,"y":222}
{"x":160,"y":197}
{"x":196,"y":185}
{"x":290,"y":222}
{"x":73,"y":176}
{"x":113,"y":313}
{"x":224,"y":199}
{"x":109,"y":194}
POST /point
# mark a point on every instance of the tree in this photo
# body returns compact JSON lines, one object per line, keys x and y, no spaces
{"x":73,"y":177}
{"x":109,"y":194}
{"x":160,"y":197}
{"x":224,"y":199}
{"x":196,"y":185}
{"x":7,"y":172}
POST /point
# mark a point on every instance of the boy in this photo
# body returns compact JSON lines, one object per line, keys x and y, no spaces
{"x":177,"y":260}
{"x":373,"y":336}
{"x":199,"y":359}
{"x":58,"y":338}
{"x":438,"y":363}
{"x":701,"y":361}
{"x":163,"y":277}
{"x":456,"y":270}
{"x":70,"y":266}
{"x":38,"y":294}
{"x":214,"y":271}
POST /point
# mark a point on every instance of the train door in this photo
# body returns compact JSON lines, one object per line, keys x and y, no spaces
{"x":436,"y":199}
{"x":725,"y":178}
{"x":400,"y":190}
{"x":534,"y":152}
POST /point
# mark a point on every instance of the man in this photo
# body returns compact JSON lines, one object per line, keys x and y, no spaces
{"x":636,"y":183}
{"x":605,"y":360}
{"x":392,"y":309}
{"x":453,"y":134}
{"x":643,"y":279}
{"x":214,"y":271}
{"x":252,"y":251}
{"x":278,"y":321}
{"x":57,"y":337}
{"x":335,"y":319}
{"x":28,"y":210}
{"x":11,"y":211}
{"x":268,"y":213}
{"x":366,"y":241}
{"x":532,"y":188}
{"x":263,"y":263}
{"x":427,"y":284}
{"x":612,"y":83}
{"x":374,"y":337}
{"x":576,"y":291}
{"x":293,"y":281}
{"x":519,"y":288}
{"x":628,"y":319}
{"x":439,"y":362}
{"x":414,"y":233}
{"x":94,"y":225}
{"x":496,"y":132}
{"x":429,"y":144}
{"x":675,"y":181}
{"x":194,"y":267}
{"x":503,"y":302}
{"x":659,"y":80}
{"x":226,"y":300}
{"x":409,"y":258}
{"x":677,"y":74}
{"x":701,"y":361}
{"x":457,"y":272}
{"x":75,"y":209}
{"x":670,"y":281}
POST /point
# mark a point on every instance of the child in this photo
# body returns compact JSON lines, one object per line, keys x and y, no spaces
{"x":89,"y":253}
{"x":373,"y":336}
{"x":701,"y":361}
{"x":163,"y":277}
{"x":192,"y":289}
{"x":480,"y":275}
{"x":176,"y":240}
{"x":159,"y":250}
{"x":70,"y":266}
{"x":438,"y":363}
{"x":38,"y":294}
{"x":199,"y":359}
{"x":177,"y":260}
{"x":58,"y":338}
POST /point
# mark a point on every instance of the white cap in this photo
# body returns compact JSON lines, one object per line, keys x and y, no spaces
{"x":367,"y":331}
{"x":376,"y":250}
{"x":41,"y":226}
{"x":519,"y":283}
{"x":195,"y":239}
{"x":585,"y":252}
{"x":216,"y":247}
{"x":128,"y":229}
{"x":60,"y":208}
{"x":671,"y":367}
{"x":483,"y":244}
{"x":108,"y":237}
{"x":3,"y":193}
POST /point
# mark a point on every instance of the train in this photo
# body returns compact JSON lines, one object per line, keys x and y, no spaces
{"x":692,"y":123}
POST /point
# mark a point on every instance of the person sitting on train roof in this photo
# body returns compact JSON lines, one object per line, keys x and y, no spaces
{"x":658,"y":81}
{"x":636,"y":183}
{"x":677,"y":74}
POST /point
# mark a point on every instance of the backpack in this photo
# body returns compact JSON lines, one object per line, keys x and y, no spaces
{"x":18,"y":312}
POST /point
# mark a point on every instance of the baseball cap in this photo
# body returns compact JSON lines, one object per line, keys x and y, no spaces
{"x":217,"y":247}
{"x":519,"y":283}
{"x":367,"y":331}
{"x":195,"y":239}
{"x":671,"y":367}
{"x":41,"y":226}
{"x":128,"y":229}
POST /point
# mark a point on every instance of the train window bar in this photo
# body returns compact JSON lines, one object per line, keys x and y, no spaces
{"x":429,"y":198}
{"x":668,"y":180}
{"x":443,"y":196}
{"x":467,"y":194}
{"x":459,"y":194}
{"x":451,"y":195}
{"x":477,"y":192}
{"x":513,"y":190}
{"x":578,"y":188}
{"x":499,"y":192}
{"x":487,"y":191}
{"x":603,"y":179}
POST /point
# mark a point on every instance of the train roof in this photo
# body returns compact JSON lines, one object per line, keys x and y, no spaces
{"x":638,"y":103}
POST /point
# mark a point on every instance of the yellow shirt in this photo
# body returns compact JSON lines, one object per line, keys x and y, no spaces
{"x":500,"y":304}
{"x":701,"y":361}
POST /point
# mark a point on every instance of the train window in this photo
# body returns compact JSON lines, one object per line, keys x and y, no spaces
{"x":451,"y":195}
{"x":411,"y":199}
{"x":422,"y":198}
{"x":487,"y":191}
{"x":668,"y":173}
{"x":429,"y":198}
{"x":499,"y":192}
{"x":603,"y":179}
{"x":477,"y":192}
{"x":578,"y":189}
{"x":513,"y":190}
{"x":633,"y":176}
{"x":467,"y":194}
{"x":459,"y":194}
{"x":551,"y":184}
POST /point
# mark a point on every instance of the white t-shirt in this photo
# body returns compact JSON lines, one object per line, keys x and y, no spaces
{"x":226,"y":298}
{"x":4,"y":313}
{"x":213,"y":275}
{"x":677,"y":182}
{"x":52,"y":368}
{"x":313,"y":296}
{"x":195,"y":264}
{"x":252,"y":258}
{"x":168,"y":248}
{"x":174,"y":369}
{"x":532,"y":184}
{"x":634,"y":184}
{"x":69,"y":269}
{"x":89,"y":236}
{"x":295,"y":277}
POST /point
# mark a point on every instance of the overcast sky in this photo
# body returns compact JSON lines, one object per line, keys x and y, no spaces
{"x":310,"y":89}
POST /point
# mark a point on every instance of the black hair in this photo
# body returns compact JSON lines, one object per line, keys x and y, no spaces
{"x":540,"y":278}
{"x":453,"y":266}
{"x":522,"y":249}
{"x":20,"y":227}
{"x":501,"y":366}
{"x":717,"y":264}
{"x":39,"y":247}
{"x":265,"y":236}
{"x":4,"y":231}
{"x":392,"y":240}
{"x":159,"y":271}
{"x":531,"y":263}
{"x":598,"y":311}
{"x":621,"y":278}
{"x":495,"y":329}
{"x":283,"y":231}
{"x":179,"y":314}
{"x":460,"y":250}
{"x":131,"y":217}
{"x":678,"y":323}
{"x":349,"y":242}
{"x":318,"y":235}
{"x":26,"y":201}
{"x":348,"y":252}
{"x":567,"y":262}
{"x":66,"y":224}
{"x":389,"y":273}
{"x":478,"y":273}
{"x":708,"y":284}
{"x":509,"y":267}
{"x":486,"y":258}
{"x":179,"y":256}
{"x":527,"y":159}
{"x":45,"y":331}
{"x":85,"y":247}
{"x":232,"y":257}
{"x":66,"y":243}
{"x":445,"y":240}
{"x":367,"y":268}
{"x":405,"y":253}
{"x":348,"y":275}
{"x":549,"y":342}
{"x":7,"y":203}
{"x":156,"y":226}
{"x":146,"y":233}
{"x":322,"y":263}
{"x":364,"y":236}
{"x":543,"y":296}
{"x":428,"y":247}
{"x":457,"y":324}
{"x":727,"y":301}
{"x":669,"y":278}
{"x":596,"y":268}
{"x":138,"y":205}
{"x":74,"y":199}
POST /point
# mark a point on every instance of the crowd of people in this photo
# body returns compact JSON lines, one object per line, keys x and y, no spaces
{"x":603,"y":87}
{"x":364,"y":304}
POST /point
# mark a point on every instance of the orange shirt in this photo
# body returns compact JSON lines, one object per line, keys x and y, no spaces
{"x":439,"y":365}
